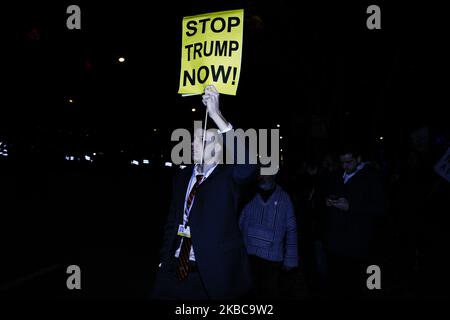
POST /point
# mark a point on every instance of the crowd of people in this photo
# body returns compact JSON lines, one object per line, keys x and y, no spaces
{"x":325,"y":227}
{"x":355,"y":211}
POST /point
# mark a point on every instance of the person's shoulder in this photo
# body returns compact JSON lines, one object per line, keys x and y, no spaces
{"x":182,"y":171}
{"x":371,"y":170}
{"x":283,"y":193}
{"x":371,"y":167}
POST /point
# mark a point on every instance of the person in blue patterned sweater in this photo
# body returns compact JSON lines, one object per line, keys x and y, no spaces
{"x":269,"y":229}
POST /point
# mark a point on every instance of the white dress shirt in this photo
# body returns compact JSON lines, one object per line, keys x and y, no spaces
{"x":196,"y":172}
{"x":347,"y":176}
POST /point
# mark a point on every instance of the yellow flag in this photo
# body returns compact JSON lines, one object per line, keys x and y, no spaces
{"x":211,"y":52}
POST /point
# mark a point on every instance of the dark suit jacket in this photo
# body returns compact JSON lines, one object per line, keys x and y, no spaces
{"x":219,"y":249}
{"x":352,"y":233}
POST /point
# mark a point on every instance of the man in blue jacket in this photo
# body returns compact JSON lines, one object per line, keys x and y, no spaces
{"x":203,"y":254}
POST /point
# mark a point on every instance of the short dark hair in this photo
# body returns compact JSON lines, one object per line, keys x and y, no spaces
{"x":350,"y":148}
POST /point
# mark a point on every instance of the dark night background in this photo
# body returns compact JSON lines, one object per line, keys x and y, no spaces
{"x":314,"y":68}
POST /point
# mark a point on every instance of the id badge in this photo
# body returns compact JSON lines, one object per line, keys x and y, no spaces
{"x":184,"y":232}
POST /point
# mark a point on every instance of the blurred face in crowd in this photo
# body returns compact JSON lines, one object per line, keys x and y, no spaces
{"x":329,"y":163}
{"x":266,"y":182}
{"x":349,"y":162}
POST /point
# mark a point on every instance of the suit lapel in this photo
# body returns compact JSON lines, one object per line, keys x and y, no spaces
{"x":217,"y":170}
{"x":185,"y":177}
{"x":200,"y":191}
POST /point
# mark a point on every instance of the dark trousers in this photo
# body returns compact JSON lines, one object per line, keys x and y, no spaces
{"x":347,"y":277}
{"x":266,"y":278}
{"x":168,"y":287}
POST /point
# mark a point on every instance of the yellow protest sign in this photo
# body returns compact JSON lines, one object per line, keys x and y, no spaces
{"x":211,"y":52}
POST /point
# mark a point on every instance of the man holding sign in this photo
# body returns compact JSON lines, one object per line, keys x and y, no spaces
{"x":211,"y":52}
{"x":203,"y":254}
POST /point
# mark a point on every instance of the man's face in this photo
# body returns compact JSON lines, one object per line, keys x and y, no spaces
{"x":210,"y":147}
{"x":349,"y":162}
{"x":266,"y":182}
